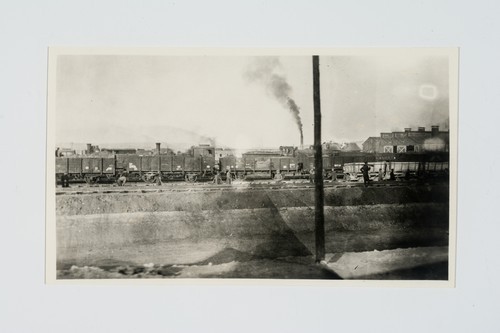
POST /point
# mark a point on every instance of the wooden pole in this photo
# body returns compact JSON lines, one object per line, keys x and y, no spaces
{"x":319,"y":217}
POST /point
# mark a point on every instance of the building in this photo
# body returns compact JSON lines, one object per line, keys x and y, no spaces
{"x":262,"y":153}
{"x":116,"y":151}
{"x":66,"y":152}
{"x":203,"y":150}
{"x":223,"y":152}
{"x":409,"y":141}
{"x":288,"y":150}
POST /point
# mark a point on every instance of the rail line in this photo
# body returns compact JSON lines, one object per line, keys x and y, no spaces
{"x":235,"y":186}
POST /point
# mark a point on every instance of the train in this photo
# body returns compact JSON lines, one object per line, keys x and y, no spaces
{"x":338,"y":164}
{"x":414,"y":164}
{"x":294,"y":164}
{"x":200,"y":164}
{"x":195,"y":164}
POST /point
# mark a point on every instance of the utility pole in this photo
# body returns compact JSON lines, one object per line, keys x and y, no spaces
{"x":319,"y":217}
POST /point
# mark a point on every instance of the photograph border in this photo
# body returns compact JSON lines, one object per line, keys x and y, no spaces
{"x":50,"y":214}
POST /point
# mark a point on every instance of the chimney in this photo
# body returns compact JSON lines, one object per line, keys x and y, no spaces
{"x":421,"y":129}
{"x":89,"y":148}
{"x":434,"y":130}
{"x":158,"y":144}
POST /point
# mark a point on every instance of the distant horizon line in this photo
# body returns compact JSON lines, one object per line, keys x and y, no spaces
{"x":142,"y":144}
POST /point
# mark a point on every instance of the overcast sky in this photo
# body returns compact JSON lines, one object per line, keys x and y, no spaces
{"x":238,"y":101}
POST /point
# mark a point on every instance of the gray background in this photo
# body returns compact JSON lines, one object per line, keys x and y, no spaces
{"x":27,"y":28}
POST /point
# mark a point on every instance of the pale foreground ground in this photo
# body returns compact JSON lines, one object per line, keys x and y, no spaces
{"x":429,"y":263}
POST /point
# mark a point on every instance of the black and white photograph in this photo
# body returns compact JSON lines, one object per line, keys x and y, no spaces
{"x":249,"y":166}
{"x":263,"y":164}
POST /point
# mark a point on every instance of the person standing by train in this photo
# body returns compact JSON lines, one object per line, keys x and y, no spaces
{"x":392,"y":176}
{"x":217,"y":179}
{"x":158,"y":179}
{"x":380,"y":175}
{"x":65,"y":180}
{"x":311,"y":175}
{"x":364,"y":169}
{"x":279,"y":176}
{"x":407,"y":174}
{"x":122,"y":179}
{"x":228,"y":176}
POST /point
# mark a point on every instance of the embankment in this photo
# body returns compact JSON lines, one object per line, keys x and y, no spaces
{"x":191,"y":227}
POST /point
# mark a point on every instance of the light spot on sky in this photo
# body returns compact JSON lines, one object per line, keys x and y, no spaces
{"x":428,"y":92}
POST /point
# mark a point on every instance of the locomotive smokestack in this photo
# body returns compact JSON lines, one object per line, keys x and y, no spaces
{"x":89,"y":148}
{"x":158,"y":144}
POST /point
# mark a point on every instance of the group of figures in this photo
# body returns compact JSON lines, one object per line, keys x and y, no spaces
{"x":381,"y":174}
{"x":218,"y":178}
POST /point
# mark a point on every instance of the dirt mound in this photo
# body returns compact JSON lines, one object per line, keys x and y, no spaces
{"x":227,"y":255}
{"x":250,"y":269}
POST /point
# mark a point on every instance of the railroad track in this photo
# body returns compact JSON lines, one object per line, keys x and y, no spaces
{"x":207,"y":187}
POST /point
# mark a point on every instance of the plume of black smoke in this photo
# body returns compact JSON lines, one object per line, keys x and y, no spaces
{"x":263,"y":70}
{"x":295,"y":111}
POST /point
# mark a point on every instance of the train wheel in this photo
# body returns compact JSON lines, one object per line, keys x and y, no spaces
{"x":91,"y":180}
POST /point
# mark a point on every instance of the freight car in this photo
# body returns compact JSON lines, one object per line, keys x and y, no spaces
{"x":197,"y":163}
{"x":298,"y":163}
{"x":423,"y":164}
{"x":260,"y":165}
{"x":352,"y":171}
{"x":342,"y":158}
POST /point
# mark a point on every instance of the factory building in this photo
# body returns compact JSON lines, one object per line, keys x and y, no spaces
{"x":203,"y":150}
{"x":223,"y":152}
{"x":409,"y":141}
